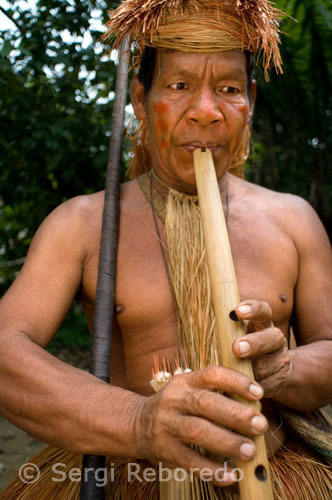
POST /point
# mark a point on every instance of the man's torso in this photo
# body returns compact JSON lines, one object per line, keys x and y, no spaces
{"x":266,"y":264}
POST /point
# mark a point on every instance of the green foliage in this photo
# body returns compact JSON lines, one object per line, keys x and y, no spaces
{"x":293,"y":116}
{"x":73,"y":334}
{"x":55,"y":109}
{"x":56,"y":104}
{"x":72,"y":342}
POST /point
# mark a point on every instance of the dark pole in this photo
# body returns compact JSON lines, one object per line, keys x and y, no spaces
{"x":102,"y":328}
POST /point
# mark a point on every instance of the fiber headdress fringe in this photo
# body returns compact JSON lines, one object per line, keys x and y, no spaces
{"x":196,"y":26}
{"x":200,"y":26}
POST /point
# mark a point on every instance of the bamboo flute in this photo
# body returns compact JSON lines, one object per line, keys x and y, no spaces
{"x":256,"y":483}
{"x":103,"y":318}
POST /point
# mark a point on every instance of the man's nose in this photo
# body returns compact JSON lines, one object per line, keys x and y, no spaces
{"x":204,"y":108}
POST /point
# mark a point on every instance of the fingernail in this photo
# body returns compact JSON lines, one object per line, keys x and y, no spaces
{"x":234,"y":475}
{"x":259,"y":423}
{"x":228,"y":477}
{"x":231,"y":476}
{"x":244,"y":346}
{"x":244,"y":309}
{"x":256,"y":390}
{"x":247,"y":450}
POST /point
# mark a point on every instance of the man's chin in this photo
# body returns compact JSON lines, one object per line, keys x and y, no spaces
{"x":187,"y":183}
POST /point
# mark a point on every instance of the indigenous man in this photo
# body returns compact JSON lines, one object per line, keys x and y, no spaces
{"x":193,"y":90}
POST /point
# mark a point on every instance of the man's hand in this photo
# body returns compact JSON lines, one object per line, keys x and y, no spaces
{"x":188,"y":410}
{"x":265,"y":344}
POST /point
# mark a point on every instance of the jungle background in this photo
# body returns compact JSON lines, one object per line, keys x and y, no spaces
{"x":56,"y":96}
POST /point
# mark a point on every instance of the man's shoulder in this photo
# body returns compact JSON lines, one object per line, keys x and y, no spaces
{"x":76,"y":211}
{"x":270,"y":200}
{"x":82,"y":206}
{"x":72,"y":224}
{"x":86,"y":210}
{"x":291,"y":213}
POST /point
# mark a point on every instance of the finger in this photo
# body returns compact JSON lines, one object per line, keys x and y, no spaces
{"x":258,"y":312}
{"x":226,"y":380}
{"x":210,"y":437}
{"x":224,"y":411}
{"x":275,"y":383}
{"x":271,"y":364}
{"x":259,"y":343}
{"x":200,"y":465}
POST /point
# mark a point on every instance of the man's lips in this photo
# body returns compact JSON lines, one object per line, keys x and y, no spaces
{"x":191,"y":146}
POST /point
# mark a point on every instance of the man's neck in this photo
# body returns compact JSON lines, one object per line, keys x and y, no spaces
{"x":163,"y":188}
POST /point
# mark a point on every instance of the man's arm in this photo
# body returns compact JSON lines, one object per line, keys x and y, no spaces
{"x":299,"y":378}
{"x":48,"y":398}
{"x":72,"y":409}
{"x":309,"y":385}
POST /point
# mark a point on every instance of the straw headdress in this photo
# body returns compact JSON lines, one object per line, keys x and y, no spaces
{"x":200,"y":26}
{"x":196,"y":26}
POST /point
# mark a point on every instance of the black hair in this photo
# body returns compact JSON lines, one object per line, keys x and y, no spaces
{"x":148,"y":62}
{"x":146,"y":69}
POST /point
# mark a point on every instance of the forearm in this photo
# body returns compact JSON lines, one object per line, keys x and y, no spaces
{"x":309,"y":382}
{"x":62,"y":405}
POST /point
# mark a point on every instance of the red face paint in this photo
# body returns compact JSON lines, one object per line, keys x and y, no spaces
{"x":160,"y":107}
{"x":243,"y":108}
{"x":165,"y":144}
{"x":162,"y":126}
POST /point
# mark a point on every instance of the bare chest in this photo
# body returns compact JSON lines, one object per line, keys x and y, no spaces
{"x":145,"y":310}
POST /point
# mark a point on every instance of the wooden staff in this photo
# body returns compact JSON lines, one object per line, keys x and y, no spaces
{"x":256,"y":483}
{"x":103,"y":318}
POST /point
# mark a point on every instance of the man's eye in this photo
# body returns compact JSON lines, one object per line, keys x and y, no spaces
{"x":229,"y":90}
{"x":178,"y":86}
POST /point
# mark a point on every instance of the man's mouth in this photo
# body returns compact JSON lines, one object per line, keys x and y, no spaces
{"x":191,"y":146}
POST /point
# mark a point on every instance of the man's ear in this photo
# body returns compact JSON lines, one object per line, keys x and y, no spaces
{"x":137,"y":98}
{"x":253,"y":93}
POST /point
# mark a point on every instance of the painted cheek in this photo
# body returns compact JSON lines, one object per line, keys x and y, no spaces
{"x":161,"y":126}
{"x":165,"y":144}
{"x":160,"y":107}
{"x":161,"y":129}
{"x":243,"y":108}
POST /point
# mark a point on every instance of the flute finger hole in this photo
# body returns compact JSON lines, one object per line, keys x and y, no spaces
{"x":233,"y":316}
{"x":260,"y":473}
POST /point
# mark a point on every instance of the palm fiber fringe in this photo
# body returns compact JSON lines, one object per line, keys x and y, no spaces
{"x":200,"y":26}
{"x":297,"y":473}
{"x":315,"y":428}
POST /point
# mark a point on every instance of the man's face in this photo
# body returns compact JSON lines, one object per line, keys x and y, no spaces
{"x":195,"y":100}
